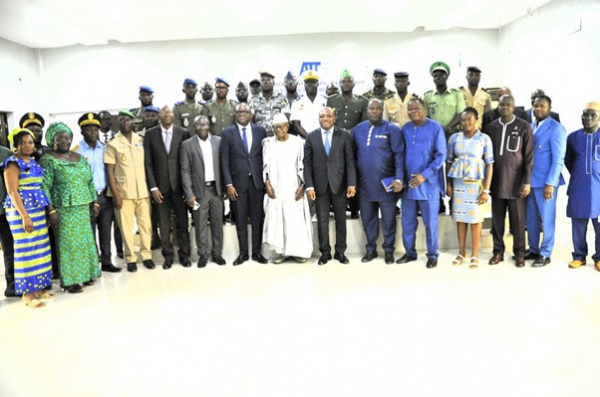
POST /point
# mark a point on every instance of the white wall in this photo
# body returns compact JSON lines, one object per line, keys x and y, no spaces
{"x":543,"y":51}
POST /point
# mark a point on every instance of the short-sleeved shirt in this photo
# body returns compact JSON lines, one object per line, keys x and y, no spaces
{"x":443,"y":107}
{"x":220,"y":117}
{"x":307,"y":111}
{"x":265,"y":110}
{"x":184,"y":114}
{"x":481,"y":101}
{"x":348,"y":112}
{"x":130,"y":170}
{"x":469,"y":155}
{"x":95,"y":158}
{"x":395,"y":110}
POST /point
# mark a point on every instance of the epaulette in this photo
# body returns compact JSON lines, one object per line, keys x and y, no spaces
{"x":179,"y":103}
{"x":361,"y":97}
{"x":461,"y":87}
{"x":428,"y":92}
{"x":75,"y":148}
{"x":484,"y":90}
{"x":333,"y":96}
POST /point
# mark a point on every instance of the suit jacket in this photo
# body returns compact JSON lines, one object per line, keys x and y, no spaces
{"x":549,"y":148}
{"x":553,"y":115}
{"x":493,"y":114}
{"x":163,"y":169}
{"x":193,"y":166}
{"x":337,"y":170}
{"x":236,"y":163}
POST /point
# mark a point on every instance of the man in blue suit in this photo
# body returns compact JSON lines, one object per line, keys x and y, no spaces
{"x":241,"y":168}
{"x":549,"y":147}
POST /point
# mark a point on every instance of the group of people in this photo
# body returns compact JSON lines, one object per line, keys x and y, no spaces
{"x":279,"y":159}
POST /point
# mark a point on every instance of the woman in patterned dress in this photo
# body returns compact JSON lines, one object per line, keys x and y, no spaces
{"x":470,"y":166}
{"x":25,"y":212}
{"x":68,"y":181}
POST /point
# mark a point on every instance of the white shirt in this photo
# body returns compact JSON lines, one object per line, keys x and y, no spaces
{"x":307,"y":112}
{"x":207,"y":155}
{"x":248,"y":135}
{"x":164,"y":136}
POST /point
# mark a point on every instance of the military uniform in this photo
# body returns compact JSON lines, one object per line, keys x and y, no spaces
{"x":184,"y":114}
{"x":387,"y":94}
{"x":395,"y":110}
{"x":220,"y":117}
{"x":348,"y":112}
{"x":481,"y":101}
{"x":443,"y":107}
{"x":265,"y":110}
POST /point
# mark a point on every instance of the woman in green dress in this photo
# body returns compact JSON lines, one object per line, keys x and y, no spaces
{"x":68,"y":181}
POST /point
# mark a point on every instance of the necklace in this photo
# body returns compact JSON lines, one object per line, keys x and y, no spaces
{"x":67,"y":155}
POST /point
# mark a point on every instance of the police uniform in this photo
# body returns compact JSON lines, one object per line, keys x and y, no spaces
{"x":265,"y":110}
{"x":348,"y":112}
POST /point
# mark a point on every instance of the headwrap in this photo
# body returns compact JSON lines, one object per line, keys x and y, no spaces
{"x":54,"y":129}
{"x":14,"y":132}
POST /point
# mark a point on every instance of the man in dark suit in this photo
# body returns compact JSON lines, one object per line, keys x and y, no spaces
{"x":241,"y":166}
{"x":161,"y":146}
{"x":330,"y":178}
{"x":494,"y":114}
{"x":529,"y":112}
{"x":201,"y":179}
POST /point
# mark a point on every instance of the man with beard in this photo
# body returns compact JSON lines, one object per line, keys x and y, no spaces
{"x":395,"y":109}
{"x":146,"y":97}
{"x":474,"y":96}
{"x":241,"y":93}
{"x":267,"y":104}
{"x":291,"y":87}
{"x":106,"y":121}
{"x":530,"y":112}
{"x":305,"y":111}
{"x":221,"y":111}
{"x":494,"y":114}
{"x":378,"y":147}
{"x":186,"y":111}
{"x":254,"y":88}
{"x":379,"y":90}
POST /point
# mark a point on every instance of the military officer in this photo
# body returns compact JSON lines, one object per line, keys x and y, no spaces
{"x":241,"y":93}
{"x":146,"y":97}
{"x":267,"y":103}
{"x":254,"y":88}
{"x":305,"y":111}
{"x":395,"y":109}
{"x":349,"y":109}
{"x":207,"y":93}
{"x":221,"y":111}
{"x":291,"y":87}
{"x":332,"y":89}
{"x":379,"y":90}
{"x":186,"y":111}
{"x":443,"y":104}
{"x":474,"y":96}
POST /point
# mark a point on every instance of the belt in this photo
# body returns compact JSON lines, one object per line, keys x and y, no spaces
{"x":211,"y":183}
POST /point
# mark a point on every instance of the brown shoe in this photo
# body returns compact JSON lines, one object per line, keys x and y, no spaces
{"x":520,"y":261}
{"x":575,"y":263}
{"x":497,"y":258}
{"x":597,"y":265}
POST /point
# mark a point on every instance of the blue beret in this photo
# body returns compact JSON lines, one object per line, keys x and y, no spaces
{"x":400,"y":74}
{"x":152,"y":109}
{"x":189,"y":81}
{"x":380,"y":71}
{"x":221,"y":80}
{"x":146,"y":89}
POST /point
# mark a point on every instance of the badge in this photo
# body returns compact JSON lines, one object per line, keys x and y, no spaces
{"x":186,"y":122}
{"x":123,"y":157}
{"x":213,"y":119}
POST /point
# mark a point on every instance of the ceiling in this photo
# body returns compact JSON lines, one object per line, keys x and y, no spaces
{"x":59,"y":23}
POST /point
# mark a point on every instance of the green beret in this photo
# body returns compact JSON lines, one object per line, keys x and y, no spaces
{"x":126,"y":113}
{"x":54,"y":129}
{"x":439,"y":66}
{"x":346,"y":74}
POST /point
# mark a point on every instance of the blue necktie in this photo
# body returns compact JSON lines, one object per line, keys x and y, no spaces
{"x":245,"y":139}
{"x":327,"y":145}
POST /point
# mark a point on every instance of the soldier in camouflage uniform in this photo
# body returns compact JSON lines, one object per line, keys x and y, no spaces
{"x":221,"y":111}
{"x":184,"y":112}
{"x":267,"y":103}
{"x":379,"y":90}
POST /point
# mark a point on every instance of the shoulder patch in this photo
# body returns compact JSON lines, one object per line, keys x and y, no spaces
{"x":75,"y":148}
{"x":178,"y":103}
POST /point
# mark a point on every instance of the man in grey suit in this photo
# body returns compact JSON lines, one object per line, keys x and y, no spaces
{"x":330,"y":178}
{"x":202,"y":186}
{"x":6,"y":238}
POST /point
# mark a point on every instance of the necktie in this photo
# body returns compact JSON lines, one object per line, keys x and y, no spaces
{"x":245,"y":139}
{"x":327,"y":145}
{"x":168,"y":140}
{"x":106,"y":134}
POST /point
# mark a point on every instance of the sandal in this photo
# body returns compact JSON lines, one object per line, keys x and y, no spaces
{"x":474,"y":262}
{"x":43,"y":295}
{"x":32,"y":302}
{"x":458,"y":261}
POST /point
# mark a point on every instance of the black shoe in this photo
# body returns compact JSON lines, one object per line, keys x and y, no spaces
{"x":74,"y":289}
{"x":323,"y":259}
{"x":120,"y":255}
{"x":219,"y":260}
{"x":168,"y":263}
{"x":354,"y":215}
{"x":132,"y":267}
{"x":431,"y":263}
{"x":341,"y":258}
{"x":530,"y":256}
{"x":110,"y":268}
{"x":406,"y":258}
{"x":185,"y":262}
{"x":10,"y":293}
{"x":202,"y":261}
{"x":240,"y":259}
{"x":541,"y":261}
{"x":149,"y":264}
{"x":369,"y":256}
{"x":389,"y":258}
{"x":259,"y":258}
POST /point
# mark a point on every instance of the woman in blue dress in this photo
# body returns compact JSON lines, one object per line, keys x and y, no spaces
{"x":470,"y":165}
{"x":25,"y":207}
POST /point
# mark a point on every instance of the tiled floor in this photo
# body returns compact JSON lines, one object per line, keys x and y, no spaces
{"x":307,"y":330}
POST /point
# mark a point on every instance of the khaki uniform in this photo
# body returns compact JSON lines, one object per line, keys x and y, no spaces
{"x":387,"y":94}
{"x":220,"y":117}
{"x":443,"y":107}
{"x":348,"y":113}
{"x":482,"y":102}
{"x":184,"y":114}
{"x":130,"y":176}
{"x":395,"y":110}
